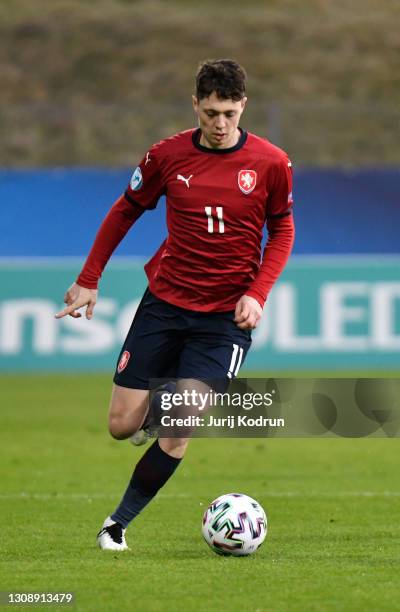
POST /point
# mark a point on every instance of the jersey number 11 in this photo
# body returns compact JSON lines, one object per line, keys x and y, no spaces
{"x":210,"y":219}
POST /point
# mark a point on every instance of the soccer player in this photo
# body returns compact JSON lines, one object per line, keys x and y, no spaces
{"x":207,"y":282}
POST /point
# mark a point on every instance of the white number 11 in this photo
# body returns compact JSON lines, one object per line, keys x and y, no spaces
{"x":210,"y":218}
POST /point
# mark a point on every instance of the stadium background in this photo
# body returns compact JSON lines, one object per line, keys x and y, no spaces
{"x":87,"y":86}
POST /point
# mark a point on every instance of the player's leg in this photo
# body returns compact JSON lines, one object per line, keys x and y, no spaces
{"x":128,"y":409}
{"x":148,"y":353}
{"x":153,"y":470}
{"x":151,"y":473}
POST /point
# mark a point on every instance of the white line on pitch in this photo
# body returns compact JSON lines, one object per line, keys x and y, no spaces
{"x":284,"y":494}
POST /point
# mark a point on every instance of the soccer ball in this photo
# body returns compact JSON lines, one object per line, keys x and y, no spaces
{"x":234,"y":524}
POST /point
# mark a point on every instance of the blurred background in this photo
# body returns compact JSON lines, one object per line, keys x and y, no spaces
{"x":88,"y":86}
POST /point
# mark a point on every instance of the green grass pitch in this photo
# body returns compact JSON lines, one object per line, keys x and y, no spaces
{"x":332,"y":505}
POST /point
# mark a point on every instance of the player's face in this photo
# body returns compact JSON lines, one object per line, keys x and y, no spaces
{"x":218,"y":120}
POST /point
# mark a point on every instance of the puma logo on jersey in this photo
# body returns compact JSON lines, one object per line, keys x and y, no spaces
{"x":147,"y":159}
{"x":185,"y":180}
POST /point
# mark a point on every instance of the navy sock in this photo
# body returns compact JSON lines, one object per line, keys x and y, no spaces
{"x":150,"y":474}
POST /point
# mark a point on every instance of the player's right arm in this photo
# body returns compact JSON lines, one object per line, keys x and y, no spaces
{"x":143,"y":192}
{"x":76,"y":297}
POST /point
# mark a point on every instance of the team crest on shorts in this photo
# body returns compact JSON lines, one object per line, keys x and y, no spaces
{"x":247,"y":180}
{"x":123,"y":362}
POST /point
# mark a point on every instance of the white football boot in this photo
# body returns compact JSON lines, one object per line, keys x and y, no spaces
{"x":112,"y":536}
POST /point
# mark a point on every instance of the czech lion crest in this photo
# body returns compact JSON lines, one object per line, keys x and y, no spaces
{"x":247,"y":180}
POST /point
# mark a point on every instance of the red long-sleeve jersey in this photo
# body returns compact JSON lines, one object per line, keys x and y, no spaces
{"x":218,"y":201}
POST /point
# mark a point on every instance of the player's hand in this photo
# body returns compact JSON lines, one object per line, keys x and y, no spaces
{"x":77,"y":297}
{"x":247,"y":313}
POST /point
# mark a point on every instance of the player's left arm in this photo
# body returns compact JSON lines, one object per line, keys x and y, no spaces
{"x":280,"y":226}
{"x":247,"y":312}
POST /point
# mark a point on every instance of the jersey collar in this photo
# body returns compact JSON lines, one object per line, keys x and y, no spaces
{"x":240,"y":143}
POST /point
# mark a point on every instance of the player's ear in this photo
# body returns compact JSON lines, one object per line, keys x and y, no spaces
{"x":243,"y":101}
{"x":195,"y":103}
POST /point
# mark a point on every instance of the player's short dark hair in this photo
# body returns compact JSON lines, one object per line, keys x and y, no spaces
{"x":224,"y":76}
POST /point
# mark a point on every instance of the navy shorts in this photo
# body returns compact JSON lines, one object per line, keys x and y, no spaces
{"x":166,"y":342}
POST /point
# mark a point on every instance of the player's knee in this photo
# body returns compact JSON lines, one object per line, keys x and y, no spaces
{"x":115,"y":429}
{"x":119,"y":428}
{"x":127,"y":411}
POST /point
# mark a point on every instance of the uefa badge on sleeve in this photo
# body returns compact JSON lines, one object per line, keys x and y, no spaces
{"x":137,"y":179}
{"x":247,"y":180}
